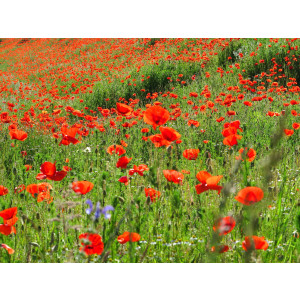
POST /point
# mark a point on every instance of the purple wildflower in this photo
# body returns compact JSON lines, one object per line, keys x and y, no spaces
{"x":90,"y":209}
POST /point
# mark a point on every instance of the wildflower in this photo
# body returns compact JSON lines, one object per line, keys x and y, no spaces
{"x":250,"y":156}
{"x":3,"y":190}
{"x":117,"y":149}
{"x":124,"y":109}
{"x":82,"y":187}
{"x":7,"y":248}
{"x":16,"y":134}
{"x":138,"y":169}
{"x":250,"y":195}
{"x":20,"y":188}
{"x":90,"y":204}
{"x":69,"y":135}
{"x":224,"y":225}
{"x":123,"y":162}
{"x":220,"y":248}
{"x":173,"y":176}
{"x":191,"y":154}
{"x":208,"y":182}
{"x":289,"y":132}
{"x":9,"y":219}
{"x":128,"y":237}
{"x":92,"y":243}
{"x":124,"y":179}
{"x":255,"y":242}
{"x":152,"y":193}
{"x":156,"y":116}
{"x":48,"y":170}
{"x":104,"y":211}
{"x":41,"y":191}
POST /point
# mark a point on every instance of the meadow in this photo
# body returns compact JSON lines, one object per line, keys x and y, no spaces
{"x":149,"y":150}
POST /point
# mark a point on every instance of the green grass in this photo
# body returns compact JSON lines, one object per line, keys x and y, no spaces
{"x":178,"y":226}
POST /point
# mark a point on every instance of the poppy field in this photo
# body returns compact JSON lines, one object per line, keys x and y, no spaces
{"x":149,"y":150}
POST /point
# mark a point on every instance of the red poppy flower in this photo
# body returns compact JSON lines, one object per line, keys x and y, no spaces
{"x":138,"y":169}
{"x":191,"y":154}
{"x":123,"y":162}
{"x":169,"y":134}
{"x":185,"y":171}
{"x":17,"y":134}
{"x":82,"y":187}
{"x":48,"y":170}
{"x":296,"y":126}
{"x":124,"y":109}
{"x":152,"y":193}
{"x":289,"y":132}
{"x":28,"y":167}
{"x":250,"y":195}
{"x":4,"y":117}
{"x":7,"y":248}
{"x":92,"y":243}
{"x":250,"y":156}
{"x":118,"y":149}
{"x":208,"y":182}
{"x":220,"y":248}
{"x":128,"y":237}
{"x":9,"y":216}
{"x":156,"y":116}
{"x":20,"y":188}
{"x":255,"y":242}
{"x":7,"y":230}
{"x":173,"y":176}
{"x":41,"y":191}
{"x":158,"y":140}
{"x":3,"y":190}
{"x":124,"y":179}
{"x":69,"y":135}
{"x":224,"y":225}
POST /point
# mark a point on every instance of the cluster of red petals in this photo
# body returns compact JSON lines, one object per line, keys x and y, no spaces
{"x":289,"y":132}
{"x":191,"y":154}
{"x":41,"y":191}
{"x":220,"y":248}
{"x":250,"y":195}
{"x":156,"y":116}
{"x":10,"y":218}
{"x":230,"y":133}
{"x":128,"y":237}
{"x":255,"y":242}
{"x":20,"y":188}
{"x":3,"y":190}
{"x":208,"y":182}
{"x":152,"y":193}
{"x":173,"y":176}
{"x":250,"y":155}
{"x":48,"y":170}
{"x":167,"y":136}
{"x":92,"y":243}
{"x":224,"y":225}
{"x":124,"y":110}
{"x":124,"y":179}
{"x":82,"y":187}
{"x":69,"y":135}
{"x":117,"y":149}
{"x":16,"y":134}
{"x":138,"y":169}
{"x":123,"y":162}
{"x":7,"y":248}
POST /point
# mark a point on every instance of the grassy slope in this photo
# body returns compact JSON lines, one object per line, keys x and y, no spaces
{"x":178,"y":227}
